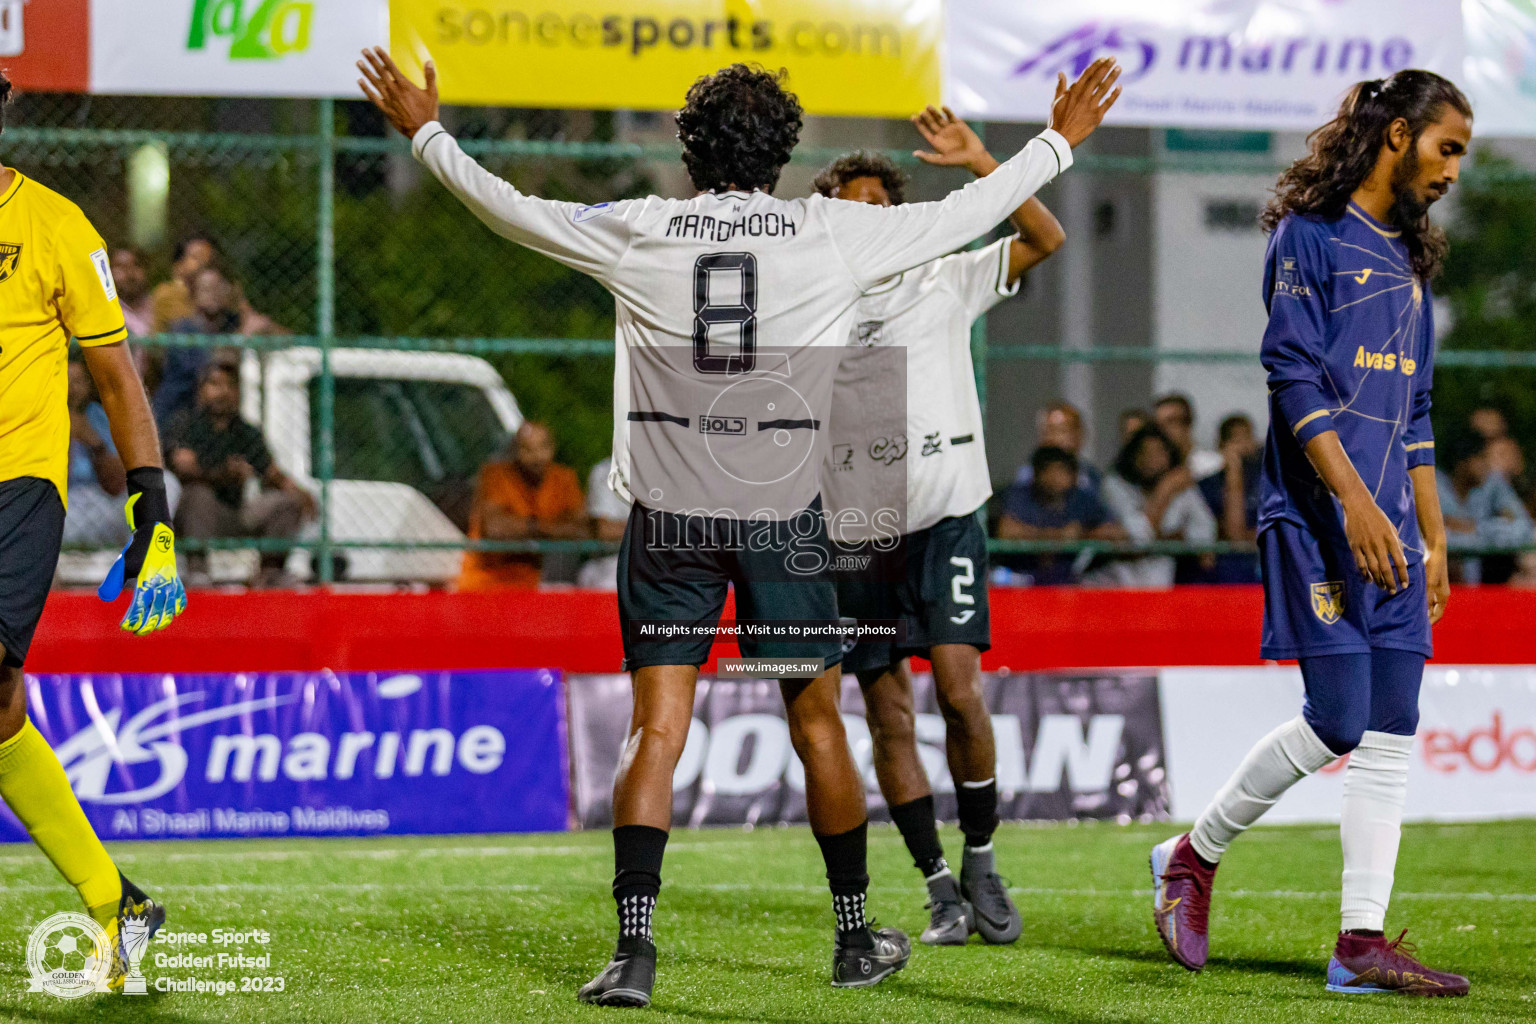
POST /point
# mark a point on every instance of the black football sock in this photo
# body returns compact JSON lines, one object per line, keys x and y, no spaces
{"x":637,"y":853}
{"x":978,"y":811}
{"x":920,"y":831}
{"x":848,"y":877}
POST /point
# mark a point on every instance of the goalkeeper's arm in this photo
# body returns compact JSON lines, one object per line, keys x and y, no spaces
{"x":158,"y":596}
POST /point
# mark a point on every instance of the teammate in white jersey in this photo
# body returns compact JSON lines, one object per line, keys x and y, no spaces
{"x":731,"y":308}
{"x":935,"y":577}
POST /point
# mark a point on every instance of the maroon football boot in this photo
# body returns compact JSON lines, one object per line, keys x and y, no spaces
{"x":1370,"y":963}
{"x":1181,"y":900}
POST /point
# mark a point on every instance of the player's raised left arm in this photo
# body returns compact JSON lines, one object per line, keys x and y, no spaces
{"x":953,"y":143}
{"x":876,"y":243}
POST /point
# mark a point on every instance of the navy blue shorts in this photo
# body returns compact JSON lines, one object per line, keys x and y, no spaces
{"x":31,"y":532}
{"x":677,"y":569}
{"x":1316,"y":601}
{"x":936,"y":581}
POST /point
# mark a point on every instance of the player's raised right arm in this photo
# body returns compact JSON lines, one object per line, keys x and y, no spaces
{"x":582,"y":237}
{"x":877,"y":242}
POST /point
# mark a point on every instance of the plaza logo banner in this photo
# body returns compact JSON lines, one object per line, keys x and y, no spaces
{"x":306,"y":753}
{"x":860,"y":57}
{"x":1474,"y":754}
{"x":1068,"y":746}
{"x":232,"y":47}
{"x":1261,"y":64}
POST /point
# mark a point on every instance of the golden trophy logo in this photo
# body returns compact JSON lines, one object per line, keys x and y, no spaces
{"x":135,"y":940}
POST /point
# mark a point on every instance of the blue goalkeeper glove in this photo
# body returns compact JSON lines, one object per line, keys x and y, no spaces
{"x":149,"y":558}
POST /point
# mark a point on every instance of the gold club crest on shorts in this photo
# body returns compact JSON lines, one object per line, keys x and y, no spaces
{"x":1328,"y":602}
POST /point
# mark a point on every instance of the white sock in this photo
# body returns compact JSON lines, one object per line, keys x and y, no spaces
{"x":1375,"y":786}
{"x":1274,"y":765}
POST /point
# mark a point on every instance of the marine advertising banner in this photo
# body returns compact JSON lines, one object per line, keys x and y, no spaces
{"x":307,"y":753}
{"x":1261,"y":64}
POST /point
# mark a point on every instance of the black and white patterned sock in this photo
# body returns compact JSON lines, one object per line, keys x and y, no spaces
{"x":635,"y":916}
{"x":850,"y":912}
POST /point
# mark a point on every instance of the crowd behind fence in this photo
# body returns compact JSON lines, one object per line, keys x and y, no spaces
{"x":298,"y":267}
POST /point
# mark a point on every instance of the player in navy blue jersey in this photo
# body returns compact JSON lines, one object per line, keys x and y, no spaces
{"x":1351,"y":539}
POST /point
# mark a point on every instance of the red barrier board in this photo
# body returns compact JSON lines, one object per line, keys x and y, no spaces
{"x":1038,"y":628}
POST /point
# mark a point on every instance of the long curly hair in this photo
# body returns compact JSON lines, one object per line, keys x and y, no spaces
{"x":1342,"y":153}
{"x":863,"y":164}
{"x":738,"y":127}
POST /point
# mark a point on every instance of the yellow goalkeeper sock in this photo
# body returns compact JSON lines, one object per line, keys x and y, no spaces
{"x":34,"y":786}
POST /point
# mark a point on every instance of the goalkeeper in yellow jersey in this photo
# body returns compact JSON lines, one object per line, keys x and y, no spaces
{"x":55,"y":284}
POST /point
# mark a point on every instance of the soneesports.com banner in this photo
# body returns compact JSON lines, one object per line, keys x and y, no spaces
{"x":311,"y":753}
{"x":1068,"y":746}
{"x":1262,"y":64}
{"x":863,"y":57}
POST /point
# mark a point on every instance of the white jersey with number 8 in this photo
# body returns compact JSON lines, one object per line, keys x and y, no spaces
{"x":722,"y":303}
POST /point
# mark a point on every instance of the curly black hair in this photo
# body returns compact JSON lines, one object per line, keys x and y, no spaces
{"x":863,"y":164}
{"x":738,"y":127}
{"x":1342,"y":153}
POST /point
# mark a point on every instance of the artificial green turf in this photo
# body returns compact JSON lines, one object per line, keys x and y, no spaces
{"x":492,"y":928}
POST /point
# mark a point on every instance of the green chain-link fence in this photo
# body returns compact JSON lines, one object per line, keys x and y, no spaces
{"x":375,"y":327}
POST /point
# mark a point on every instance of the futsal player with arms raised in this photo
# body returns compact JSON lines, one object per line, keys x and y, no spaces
{"x":731,"y":306}
{"x":935,"y":576}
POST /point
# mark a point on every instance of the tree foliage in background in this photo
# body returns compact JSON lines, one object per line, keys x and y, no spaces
{"x":1490,"y":283}
{"x":414,"y":262}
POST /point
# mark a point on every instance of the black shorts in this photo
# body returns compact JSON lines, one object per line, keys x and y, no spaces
{"x":677,"y":569}
{"x":31,"y":530}
{"x":935,"y":580}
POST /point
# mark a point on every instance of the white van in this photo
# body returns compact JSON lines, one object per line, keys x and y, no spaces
{"x":411,"y":430}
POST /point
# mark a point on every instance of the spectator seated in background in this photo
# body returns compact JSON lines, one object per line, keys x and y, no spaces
{"x":98,"y":484}
{"x":133,"y":295}
{"x":1060,"y":425}
{"x":1481,"y":510}
{"x":1488,"y":422}
{"x":609,"y":514}
{"x":1176,"y":416}
{"x":526,"y":496}
{"x":1054,"y":505}
{"x":230,"y":487}
{"x":1153,"y":495}
{"x":1132,"y":420}
{"x":172,"y":300}
{"x":214,"y":312}
{"x":1233,"y":497}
